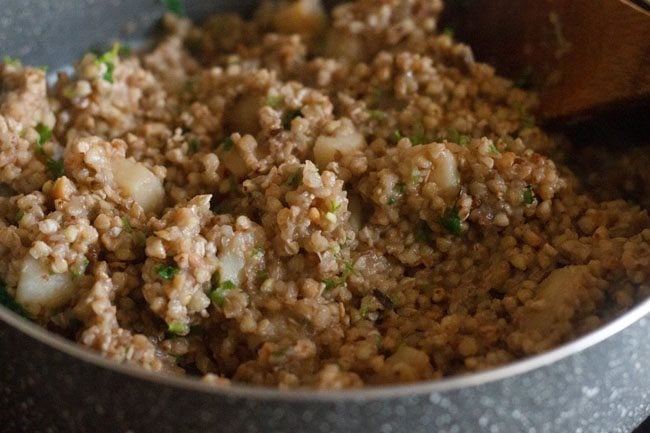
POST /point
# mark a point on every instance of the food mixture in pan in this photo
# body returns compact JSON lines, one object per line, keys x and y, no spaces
{"x":303,"y":201}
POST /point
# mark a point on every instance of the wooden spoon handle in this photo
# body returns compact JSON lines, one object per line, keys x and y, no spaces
{"x":585,"y":55}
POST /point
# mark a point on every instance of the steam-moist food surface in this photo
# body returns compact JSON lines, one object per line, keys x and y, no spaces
{"x":303,"y":201}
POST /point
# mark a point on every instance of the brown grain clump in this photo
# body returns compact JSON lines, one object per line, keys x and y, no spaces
{"x":292,"y":203}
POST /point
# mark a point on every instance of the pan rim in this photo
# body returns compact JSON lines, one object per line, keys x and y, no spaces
{"x":193,"y":383}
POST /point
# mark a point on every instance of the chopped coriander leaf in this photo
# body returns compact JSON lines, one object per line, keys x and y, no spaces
{"x":448,"y":31}
{"x":175,"y":6}
{"x":330,"y":283}
{"x":55,"y":167}
{"x":288,"y":117}
{"x":69,"y":92}
{"x":529,"y":195}
{"x":377,"y":115}
{"x":227,"y":144}
{"x":493,"y":149}
{"x":274,"y":101}
{"x":280,"y":352}
{"x":525,"y":80}
{"x":396,"y":136}
{"x":194,"y":145}
{"x":219,"y":292}
{"x":44,"y":134}
{"x":125,"y":50}
{"x":392,"y":201}
{"x":334,"y":206}
{"x":10,"y":303}
{"x":108,"y":60}
{"x":44,"y":68}
{"x":456,"y":137}
{"x":79,"y":269}
{"x":126,"y":225}
{"x":166,"y":272}
{"x":418,"y":136}
{"x":8,"y":60}
{"x":295,"y":179}
{"x":19,"y":215}
{"x":177,"y":328}
{"x":228,"y":285}
{"x":451,"y":221}
{"x":400,"y":187}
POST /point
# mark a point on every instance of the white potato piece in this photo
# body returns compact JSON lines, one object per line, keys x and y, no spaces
{"x":39,"y":288}
{"x":562,"y":291}
{"x":305,"y":17}
{"x":445,"y":172}
{"x":137,"y":181}
{"x":231,"y":266}
{"x":344,"y":140}
{"x":407,"y":364}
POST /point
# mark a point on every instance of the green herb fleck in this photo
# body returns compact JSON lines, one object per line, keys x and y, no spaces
{"x":418,"y":136}
{"x":12,"y":61}
{"x":280,"y":352}
{"x":378,"y":115}
{"x":177,"y":328}
{"x":227,"y":144}
{"x":44,"y":135}
{"x":10,"y":303}
{"x":262,"y":274}
{"x":330,"y":283}
{"x":175,"y":7}
{"x":334,"y":206}
{"x":448,"y":31}
{"x":166,"y":272}
{"x":529,"y":195}
{"x":274,"y":101}
{"x":451,"y":221}
{"x":219,"y":292}
{"x":194,"y":145}
{"x":396,"y":136}
{"x":125,"y":50}
{"x":108,"y":60}
{"x":295,"y":179}
{"x":55,"y":167}
{"x":493,"y":149}
{"x":392,"y":201}
{"x":19,"y":215}
{"x":126,"y":225}
{"x":525,"y":80}
{"x":69,"y":92}
{"x":400,"y":187}
{"x":288,"y":117}
{"x":456,"y":137}
{"x":44,"y":68}
{"x":79,"y":269}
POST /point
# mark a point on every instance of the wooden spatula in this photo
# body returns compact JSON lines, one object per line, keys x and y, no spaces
{"x":584,"y":56}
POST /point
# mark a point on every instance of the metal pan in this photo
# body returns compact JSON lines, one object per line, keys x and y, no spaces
{"x":598,"y":383}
